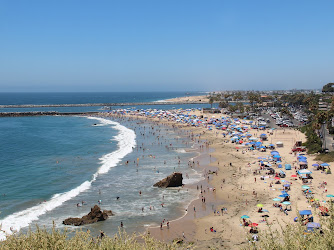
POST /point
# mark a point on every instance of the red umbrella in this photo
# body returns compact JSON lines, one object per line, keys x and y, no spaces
{"x":253,"y":225}
{"x":323,"y":209}
{"x":236,"y":147}
{"x":277,"y":178}
{"x":293,"y":175}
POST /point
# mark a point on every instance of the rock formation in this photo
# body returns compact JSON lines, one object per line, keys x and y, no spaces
{"x":93,"y":216}
{"x":173,"y":180}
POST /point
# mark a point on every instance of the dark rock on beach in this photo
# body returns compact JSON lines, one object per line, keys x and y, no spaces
{"x":93,"y":216}
{"x":173,"y":180}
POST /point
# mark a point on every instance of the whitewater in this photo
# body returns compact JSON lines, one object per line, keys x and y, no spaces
{"x":126,"y":142}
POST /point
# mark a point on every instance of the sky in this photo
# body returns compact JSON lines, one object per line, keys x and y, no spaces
{"x":165,"y":45}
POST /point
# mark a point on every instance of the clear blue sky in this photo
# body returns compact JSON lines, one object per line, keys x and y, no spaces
{"x":165,"y":45}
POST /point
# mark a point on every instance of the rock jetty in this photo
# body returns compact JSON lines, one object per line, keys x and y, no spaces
{"x":173,"y":180}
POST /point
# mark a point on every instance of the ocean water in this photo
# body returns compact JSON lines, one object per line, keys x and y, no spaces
{"x":49,"y":164}
{"x":87,"y":97}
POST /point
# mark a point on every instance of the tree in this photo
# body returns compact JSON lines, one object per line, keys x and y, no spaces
{"x":328,"y":87}
{"x":211,"y":99}
{"x":223,"y":104}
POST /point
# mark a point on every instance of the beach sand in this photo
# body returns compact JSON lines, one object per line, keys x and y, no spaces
{"x":239,"y":190}
{"x":190,"y":99}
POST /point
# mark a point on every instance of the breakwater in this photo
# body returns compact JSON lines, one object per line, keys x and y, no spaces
{"x":43,"y":113}
{"x":97,"y":104}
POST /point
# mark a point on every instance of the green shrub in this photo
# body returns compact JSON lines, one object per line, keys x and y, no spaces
{"x":294,"y":236}
{"x":57,"y":239}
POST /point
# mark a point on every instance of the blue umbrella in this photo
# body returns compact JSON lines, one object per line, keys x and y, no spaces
{"x":286,"y":203}
{"x":245,"y":217}
{"x":305,"y":212}
{"x":329,"y":195}
{"x":324,"y":164}
{"x":276,"y":199}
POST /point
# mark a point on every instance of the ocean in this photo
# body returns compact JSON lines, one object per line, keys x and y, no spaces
{"x":49,"y":164}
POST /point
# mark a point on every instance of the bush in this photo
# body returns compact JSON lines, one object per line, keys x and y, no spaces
{"x":313,"y":142}
{"x":57,"y":239}
{"x":293,"y":236}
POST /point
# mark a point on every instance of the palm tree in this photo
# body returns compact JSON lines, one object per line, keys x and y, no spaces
{"x":211,"y":100}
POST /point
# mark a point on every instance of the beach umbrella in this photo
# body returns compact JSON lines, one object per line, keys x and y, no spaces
{"x":259,"y":205}
{"x":276,"y":199}
{"x":294,"y":175}
{"x":277,"y":178}
{"x":305,"y":187}
{"x":329,"y":195}
{"x":244,"y":217}
{"x":286,"y":185}
{"x":324,"y":164}
{"x":283,"y":195}
{"x":304,"y":171}
{"x":253,"y":225}
{"x":305,"y":212}
{"x":286,"y":203}
{"x":315,"y":165}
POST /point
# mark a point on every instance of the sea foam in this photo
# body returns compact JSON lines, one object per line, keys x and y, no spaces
{"x":126,"y":139}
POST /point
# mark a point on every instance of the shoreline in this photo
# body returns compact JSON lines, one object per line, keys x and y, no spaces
{"x":240,"y":184}
{"x":204,"y":164}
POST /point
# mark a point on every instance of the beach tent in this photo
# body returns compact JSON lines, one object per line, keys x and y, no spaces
{"x":287,"y":167}
{"x":312,"y":225}
{"x":282,"y":174}
{"x":263,"y":137}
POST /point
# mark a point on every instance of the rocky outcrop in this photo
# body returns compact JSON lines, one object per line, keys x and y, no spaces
{"x":93,"y":216}
{"x":173,"y":180}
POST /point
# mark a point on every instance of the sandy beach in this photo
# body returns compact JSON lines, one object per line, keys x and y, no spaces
{"x":237,"y":185}
{"x":190,"y":99}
